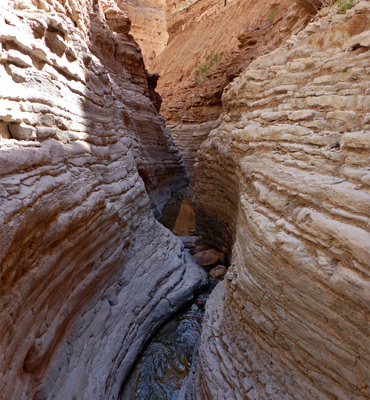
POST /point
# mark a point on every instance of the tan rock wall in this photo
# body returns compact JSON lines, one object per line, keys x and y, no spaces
{"x":291,"y":321}
{"x":149,"y":27}
{"x":86,"y":271}
{"x":175,"y":35}
{"x":241,"y":30}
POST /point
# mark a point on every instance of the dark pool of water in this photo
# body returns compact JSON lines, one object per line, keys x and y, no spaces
{"x":166,"y":361}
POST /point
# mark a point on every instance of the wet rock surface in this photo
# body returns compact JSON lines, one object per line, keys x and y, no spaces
{"x":166,"y":361}
{"x":164,"y":366}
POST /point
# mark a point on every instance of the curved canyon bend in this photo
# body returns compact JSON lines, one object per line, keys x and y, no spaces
{"x":249,"y":118}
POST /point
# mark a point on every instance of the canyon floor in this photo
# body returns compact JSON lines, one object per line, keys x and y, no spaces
{"x":184,"y":199}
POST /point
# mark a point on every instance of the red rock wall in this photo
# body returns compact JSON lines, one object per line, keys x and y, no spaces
{"x":241,"y":30}
{"x":194,"y":29}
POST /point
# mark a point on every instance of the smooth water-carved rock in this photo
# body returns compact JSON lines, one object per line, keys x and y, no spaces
{"x":290,"y":321}
{"x":87,"y":273}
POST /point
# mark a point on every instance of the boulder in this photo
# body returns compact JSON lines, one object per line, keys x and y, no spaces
{"x":209,"y":257}
{"x":218,"y":272}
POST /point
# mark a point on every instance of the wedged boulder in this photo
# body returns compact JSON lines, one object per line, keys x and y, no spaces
{"x":208,"y":257}
{"x":218,"y":272}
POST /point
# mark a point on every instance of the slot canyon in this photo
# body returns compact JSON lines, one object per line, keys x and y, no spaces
{"x":185,"y":175}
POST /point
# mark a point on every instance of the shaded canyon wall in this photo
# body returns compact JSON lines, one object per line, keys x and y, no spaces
{"x":85,"y":162}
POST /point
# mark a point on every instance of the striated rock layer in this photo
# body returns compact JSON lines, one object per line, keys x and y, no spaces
{"x":240,"y":30}
{"x":149,"y":26}
{"x":291,"y":320}
{"x":87,"y":273}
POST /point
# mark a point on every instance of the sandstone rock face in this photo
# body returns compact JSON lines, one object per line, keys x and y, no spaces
{"x":241,"y":30}
{"x":83,"y":156}
{"x":290,"y":320}
{"x":149,"y":26}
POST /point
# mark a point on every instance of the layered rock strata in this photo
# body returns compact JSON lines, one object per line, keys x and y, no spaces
{"x":87,"y":273}
{"x":149,"y":26}
{"x":291,"y":319}
{"x":237,"y":31}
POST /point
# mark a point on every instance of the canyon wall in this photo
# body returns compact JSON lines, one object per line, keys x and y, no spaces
{"x":286,"y":178}
{"x":236,"y":33}
{"x":149,"y":26}
{"x":87,"y":273}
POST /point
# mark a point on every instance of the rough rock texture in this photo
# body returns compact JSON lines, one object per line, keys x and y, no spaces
{"x":149,"y":26}
{"x":189,"y":138}
{"x":242,"y":30}
{"x":87,"y":273}
{"x":291,"y":319}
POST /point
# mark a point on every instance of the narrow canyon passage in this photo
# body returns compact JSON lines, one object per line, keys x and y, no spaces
{"x":166,"y":361}
{"x":246,"y":125}
{"x":274,"y":166}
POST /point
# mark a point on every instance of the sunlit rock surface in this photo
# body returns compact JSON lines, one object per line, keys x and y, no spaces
{"x":149,"y":26}
{"x":240,"y":30}
{"x":87,"y":273}
{"x":291,"y":157}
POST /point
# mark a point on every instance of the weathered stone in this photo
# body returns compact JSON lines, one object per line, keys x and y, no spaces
{"x":87,"y":273}
{"x":290,"y":319}
{"x":208,"y":257}
{"x":218,"y":272}
{"x":356,"y":140}
{"x":4,"y":131}
{"x":301,"y":115}
{"x":191,"y":241}
{"x":198,"y":249}
{"x":55,"y":43}
{"x":22,"y":131}
{"x":17,"y":58}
